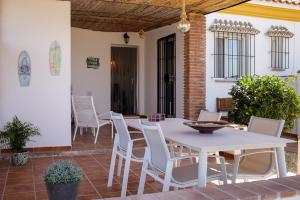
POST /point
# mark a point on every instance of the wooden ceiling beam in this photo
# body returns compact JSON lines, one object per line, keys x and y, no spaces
{"x":129,"y":15}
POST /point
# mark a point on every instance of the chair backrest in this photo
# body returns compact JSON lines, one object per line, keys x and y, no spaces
{"x":159,"y":152}
{"x":209,"y":116}
{"x":266,"y":126}
{"x":264,"y":162}
{"x":84,"y":110}
{"x":122,"y":130}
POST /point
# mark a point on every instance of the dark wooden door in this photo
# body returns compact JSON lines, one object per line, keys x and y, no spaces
{"x":124,"y":80}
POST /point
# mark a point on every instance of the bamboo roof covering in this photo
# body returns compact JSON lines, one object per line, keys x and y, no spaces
{"x":134,"y":15}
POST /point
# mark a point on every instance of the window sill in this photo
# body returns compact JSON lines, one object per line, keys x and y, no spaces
{"x":225,"y":80}
{"x":278,"y":69}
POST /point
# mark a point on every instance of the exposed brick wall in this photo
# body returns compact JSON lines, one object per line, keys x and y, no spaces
{"x":194,"y":66}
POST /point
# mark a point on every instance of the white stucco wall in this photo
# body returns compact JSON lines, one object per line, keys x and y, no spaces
{"x":97,"y":82}
{"x":216,"y":89}
{"x":151,"y":68}
{"x":32,"y":25}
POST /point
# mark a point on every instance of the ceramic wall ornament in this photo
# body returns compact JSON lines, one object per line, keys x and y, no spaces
{"x":55,"y":58}
{"x":24,"y":69}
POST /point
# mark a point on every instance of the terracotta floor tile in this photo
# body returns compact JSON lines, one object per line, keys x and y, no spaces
{"x":88,"y":197}
{"x":11,"y":189}
{"x":40,"y":186}
{"x":41,"y":195}
{"x":21,"y":196}
{"x":86,"y":190}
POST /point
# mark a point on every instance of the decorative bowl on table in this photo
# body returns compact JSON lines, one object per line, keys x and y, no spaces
{"x":206,"y":127}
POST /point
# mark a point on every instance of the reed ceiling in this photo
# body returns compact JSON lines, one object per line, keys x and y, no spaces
{"x":134,"y":15}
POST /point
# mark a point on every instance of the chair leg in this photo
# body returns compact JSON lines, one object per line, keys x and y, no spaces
{"x":235,"y":168}
{"x":75,"y":132}
{"x":126,"y":172}
{"x":223,"y":170}
{"x":190,"y":154}
{"x":120,"y":163}
{"x":93,"y":131}
{"x":81,"y":130}
{"x":168,"y":175}
{"x":97,"y":133}
{"x":143,"y":178}
{"x":112,"y":165}
{"x":180,"y":154}
{"x":112,"y":130}
{"x":217,"y":158}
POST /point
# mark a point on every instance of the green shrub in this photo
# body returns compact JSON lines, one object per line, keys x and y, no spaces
{"x":18,"y":133}
{"x":62,"y":172}
{"x":265,"y":96}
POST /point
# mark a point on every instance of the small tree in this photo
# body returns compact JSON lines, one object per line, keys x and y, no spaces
{"x":265,"y":96}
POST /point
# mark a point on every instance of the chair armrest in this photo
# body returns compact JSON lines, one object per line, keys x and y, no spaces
{"x":105,"y":116}
{"x":182,"y":157}
{"x":134,"y":132}
{"x":137,"y":139}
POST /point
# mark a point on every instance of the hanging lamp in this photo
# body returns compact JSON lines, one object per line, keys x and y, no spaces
{"x":183,"y":25}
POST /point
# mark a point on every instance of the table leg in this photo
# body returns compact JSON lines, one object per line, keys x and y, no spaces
{"x":202,"y":169}
{"x":280,"y":154}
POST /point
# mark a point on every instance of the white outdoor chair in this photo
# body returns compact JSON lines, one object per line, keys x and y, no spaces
{"x":257,"y":164}
{"x":123,"y":147}
{"x":209,"y":116}
{"x":85,"y":116}
{"x":203,"y":116}
{"x":159,"y":164}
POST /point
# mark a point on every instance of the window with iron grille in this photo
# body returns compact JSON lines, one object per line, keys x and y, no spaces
{"x":234,"y":49}
{"x":280,"y":47}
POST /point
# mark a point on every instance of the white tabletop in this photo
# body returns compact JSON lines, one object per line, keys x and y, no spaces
{"x":225,"y":139}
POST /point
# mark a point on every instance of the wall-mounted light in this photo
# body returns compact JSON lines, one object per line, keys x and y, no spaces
{"x":142,"y":34}
{"x":126,"y":38}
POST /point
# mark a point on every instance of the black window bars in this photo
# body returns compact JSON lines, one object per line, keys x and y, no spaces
{"x":280,"y":47}
{"x":234,"y":49}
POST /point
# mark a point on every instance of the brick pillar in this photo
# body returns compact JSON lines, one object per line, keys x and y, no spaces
{"x":194,"y":67}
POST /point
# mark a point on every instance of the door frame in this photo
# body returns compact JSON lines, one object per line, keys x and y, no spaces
{"x":157,"y":53}
{"x":137,"y":107}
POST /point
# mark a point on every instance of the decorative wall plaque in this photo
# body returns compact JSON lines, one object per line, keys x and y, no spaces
{"x":55,"y":58}
{"x":24,"y":69}
{"x":93,"y":62}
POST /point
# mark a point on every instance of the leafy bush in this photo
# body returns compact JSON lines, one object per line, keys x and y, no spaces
{"x":266,"y":96}
{"x":18,"y":133}
{"x":62,"y":172}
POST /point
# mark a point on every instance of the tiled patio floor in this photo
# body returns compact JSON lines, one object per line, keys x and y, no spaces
{"x":26,"y":182}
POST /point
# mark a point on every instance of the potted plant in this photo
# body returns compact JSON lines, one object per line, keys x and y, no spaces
{"x":62,"y":180}
{"x":265,"y":96}
{"x":18,"y":133}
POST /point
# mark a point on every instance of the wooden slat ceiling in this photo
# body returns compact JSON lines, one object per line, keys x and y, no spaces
{"x":134,"y":15}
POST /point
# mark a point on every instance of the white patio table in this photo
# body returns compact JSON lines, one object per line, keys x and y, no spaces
{"x":225,"y":139}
